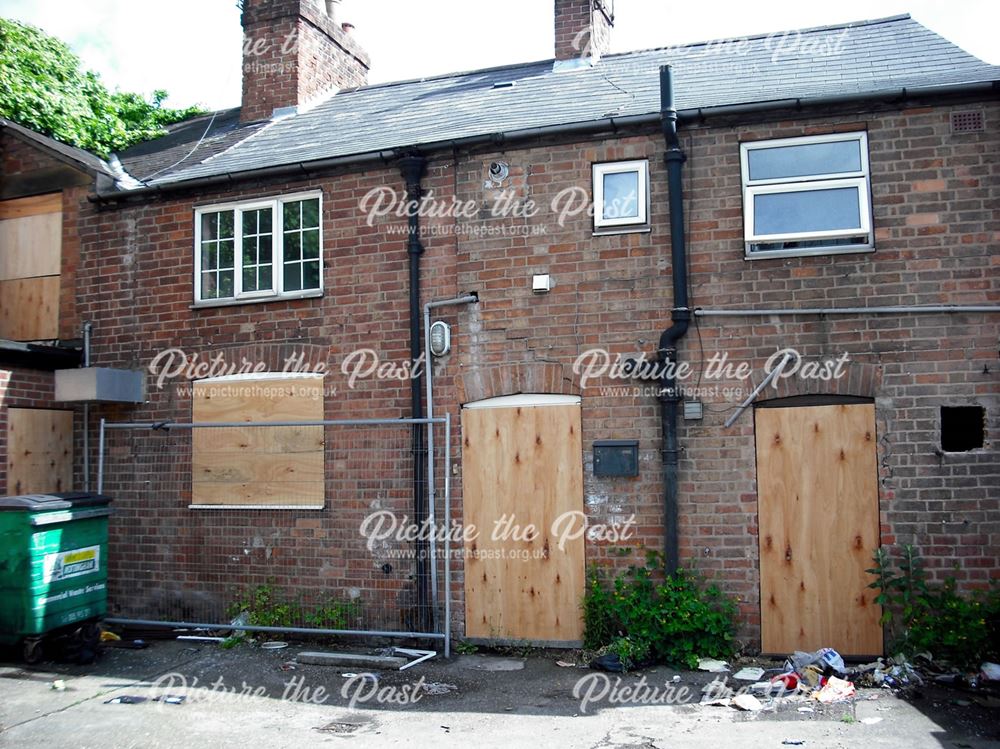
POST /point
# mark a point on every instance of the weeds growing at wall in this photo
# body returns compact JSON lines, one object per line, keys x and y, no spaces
{"x":961,"y":628}
{"x":644,"y":617}
{"x":263,"y":606}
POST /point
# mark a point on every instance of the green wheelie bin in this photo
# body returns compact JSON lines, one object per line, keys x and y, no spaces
{"x":53,"y":568}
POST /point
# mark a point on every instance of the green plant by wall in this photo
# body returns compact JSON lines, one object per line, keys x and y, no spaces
{"x":264,"y":607}
{"x":963,"y":629}
{"x":641,"y":615}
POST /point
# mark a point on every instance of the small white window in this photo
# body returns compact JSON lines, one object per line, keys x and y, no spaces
{"x":258,"y":250}
{"x":806,"y":196}
{"x":621,"y":196}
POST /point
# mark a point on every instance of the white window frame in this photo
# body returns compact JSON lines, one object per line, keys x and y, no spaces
{"x":277,"y":250}
{"x":627,"y":223}
{"x":860,"y":179}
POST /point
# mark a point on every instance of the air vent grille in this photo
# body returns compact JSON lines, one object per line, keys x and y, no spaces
{"x":971,"y":121}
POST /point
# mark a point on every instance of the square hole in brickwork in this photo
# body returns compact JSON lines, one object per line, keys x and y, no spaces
{"x":971,"y":121}
{"x":962,"y":428}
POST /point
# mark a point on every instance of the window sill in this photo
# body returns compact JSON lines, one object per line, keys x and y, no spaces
{"x":209,"y":304}
{"x":608,"y":230}
{"x":810,"y":252}
{"x":256,"y":507}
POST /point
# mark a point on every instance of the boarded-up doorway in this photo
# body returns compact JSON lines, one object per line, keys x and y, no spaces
{"x":817,"y":484}
{"x":39,"y":451}
{"x":523,"y":466}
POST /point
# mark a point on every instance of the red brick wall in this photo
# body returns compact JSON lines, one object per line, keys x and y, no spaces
{"x":937,"y":244}
{"x":580,"y":28}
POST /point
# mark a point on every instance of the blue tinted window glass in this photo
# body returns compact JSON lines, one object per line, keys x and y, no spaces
{"x":810,"y":210}
{"x":621,"y":195}
{"x":804,"y":160}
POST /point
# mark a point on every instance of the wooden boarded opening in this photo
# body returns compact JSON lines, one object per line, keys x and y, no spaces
{"x":523,"y":469}
{"x":39,"y":451}
{"x":30,"y":264}
{"x":258,"y":466}
{"x":817,"y":485}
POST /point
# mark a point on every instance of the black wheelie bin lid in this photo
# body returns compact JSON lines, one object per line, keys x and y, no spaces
{"x":47,"y":502}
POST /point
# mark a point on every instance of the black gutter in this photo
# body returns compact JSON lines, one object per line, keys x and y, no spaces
{"x":605,"y":124}
{"x":669,"y":393}
{"x":412,"y":169}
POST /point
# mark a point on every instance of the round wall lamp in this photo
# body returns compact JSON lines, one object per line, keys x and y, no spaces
{"x":440,"y":338}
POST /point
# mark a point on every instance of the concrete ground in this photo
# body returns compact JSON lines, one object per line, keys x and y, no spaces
{"x":248,"y":697}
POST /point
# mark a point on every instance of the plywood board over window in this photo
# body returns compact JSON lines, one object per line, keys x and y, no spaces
{"x":30,"y":257}
{"x":257,"y":466}
{"x":39,"y":451}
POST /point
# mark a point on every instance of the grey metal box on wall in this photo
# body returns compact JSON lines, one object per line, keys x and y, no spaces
{"x":100,"y":385}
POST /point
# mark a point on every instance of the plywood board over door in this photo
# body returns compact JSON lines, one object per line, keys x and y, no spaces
{"x":522,"y":467}
{"x":817,"y":484}
{"x":39,"y":451}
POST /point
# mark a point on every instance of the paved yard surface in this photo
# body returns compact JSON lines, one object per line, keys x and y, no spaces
{"x":248,"y":697}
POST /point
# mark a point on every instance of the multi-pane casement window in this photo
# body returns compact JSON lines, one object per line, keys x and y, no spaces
{"x":259,"y":249}
{"x":621,"y":196}
{"x":806,"y":196}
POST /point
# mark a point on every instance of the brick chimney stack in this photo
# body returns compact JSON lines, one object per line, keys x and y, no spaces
{"x":295,"y":52}
{"x":583,"y":29}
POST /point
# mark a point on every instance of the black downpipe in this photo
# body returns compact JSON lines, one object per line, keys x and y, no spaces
{"x":412,"y":169}
{"x":670,"y":395}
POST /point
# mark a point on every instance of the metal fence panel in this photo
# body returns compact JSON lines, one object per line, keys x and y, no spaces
{"x":349,"y":567}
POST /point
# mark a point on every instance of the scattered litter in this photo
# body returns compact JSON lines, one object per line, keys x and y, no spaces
{"x":750,"y":673}
{"x":564,"y":664}
{"x":823,"y":658}
{"x":126,"y":644}
{"x":288,"y":666}
{"x":789,"y":680}
{"x":792,"y":742}
{"x":835,"y":690}
{"x":961,"y":703}
{"x":274,"y":645}
{"x":712,"y":666}
{"x":609,"y":662}
{"x":201,"y":638}
{"x":676,"y":678}
{"x":126,"y":699}
{"x":172,"y":699}
{"x":747,"y":702}
{"x":59,"y":685}
{"x":990,"y":671}
{"x":437,"y":687}
{"x":717,"y":701}
{"x":871,"y":721}
{"x":366,"y":675}
{"x":447,"y":729}
{"x":806,"y":710}
{"x":109,"y":636}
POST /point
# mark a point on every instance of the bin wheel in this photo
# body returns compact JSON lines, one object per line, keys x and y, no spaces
{"x":90,"y":634}
{"x":32,"y":651}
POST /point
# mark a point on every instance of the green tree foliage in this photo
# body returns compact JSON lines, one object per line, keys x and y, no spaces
{"x":44,"y":88}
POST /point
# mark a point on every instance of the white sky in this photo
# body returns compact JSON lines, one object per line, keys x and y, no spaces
{"x":192,"y":48}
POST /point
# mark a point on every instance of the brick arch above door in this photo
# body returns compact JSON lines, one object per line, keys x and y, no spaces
{"x":861,"y":379}
{"x":483,"y":382}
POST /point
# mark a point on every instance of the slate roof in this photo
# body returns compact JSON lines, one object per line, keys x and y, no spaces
{"x":77,"y":157}
{"x":859,"y":59}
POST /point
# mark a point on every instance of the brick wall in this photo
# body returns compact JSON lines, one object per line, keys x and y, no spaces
{"x":937,"y":244}
{"x":580,"y":27}
{"x":293,"y":53}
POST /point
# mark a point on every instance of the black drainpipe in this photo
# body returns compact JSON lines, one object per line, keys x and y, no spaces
{"x":412,"y":169}
{"x":669,"y":394}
